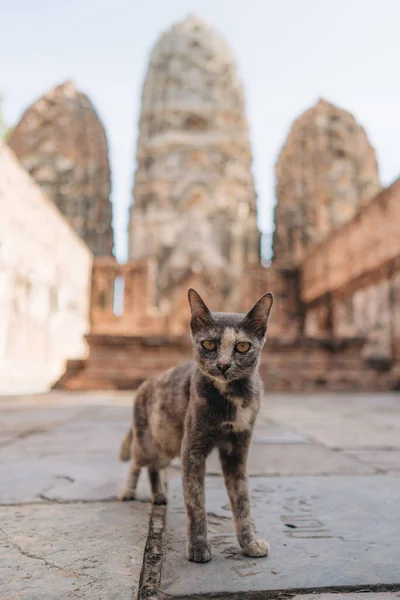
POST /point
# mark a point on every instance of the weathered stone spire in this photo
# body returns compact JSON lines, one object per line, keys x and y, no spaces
{"x":326,"y":171}
{"x":61,"y":141}
{"x":193,"y":180}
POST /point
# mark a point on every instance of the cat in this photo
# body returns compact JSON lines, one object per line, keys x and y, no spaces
{"x":196,"y":406}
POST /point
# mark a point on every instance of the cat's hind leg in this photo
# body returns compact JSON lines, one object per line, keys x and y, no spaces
{"x":157,"y":490}
{"x":129,"y":491}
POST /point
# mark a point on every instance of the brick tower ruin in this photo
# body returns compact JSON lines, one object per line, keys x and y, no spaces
{"x":326,"y":172}
{"x":194,"y":204}
{"x":61,"y":142}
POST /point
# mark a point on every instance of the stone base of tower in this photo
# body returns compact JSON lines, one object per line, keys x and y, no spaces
{"x":301,"y":365}
{"x":122,"y":362}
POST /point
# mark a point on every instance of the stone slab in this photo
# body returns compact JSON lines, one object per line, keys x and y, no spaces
{"x":324,"y":534}
{"x":63,"y":453}
{"x":22,"y":422}
{"x":292,"y":459}
{"x":74,"y":551}
{"x":77,"y":477}
{"x":5,"y":439}
{"x":350,"y":596}
{"x":22,"y":418}
{"x":273,"y":433}
{"x":384,"y":461}
{"x":353,"y":421}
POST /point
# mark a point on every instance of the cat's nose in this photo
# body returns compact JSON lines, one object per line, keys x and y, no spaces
{"x":224,"y":367}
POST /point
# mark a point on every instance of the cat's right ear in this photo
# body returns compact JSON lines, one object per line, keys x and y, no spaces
{"x":200,"y":313}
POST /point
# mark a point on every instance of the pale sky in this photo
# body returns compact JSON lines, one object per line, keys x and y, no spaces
{"x":289,"y":54}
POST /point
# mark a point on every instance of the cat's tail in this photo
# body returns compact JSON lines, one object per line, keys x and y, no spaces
{"x":125,"y":450}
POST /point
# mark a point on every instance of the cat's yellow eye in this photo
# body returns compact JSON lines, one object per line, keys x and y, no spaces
{"x":242,"y":347}
{"x":209,"y":345}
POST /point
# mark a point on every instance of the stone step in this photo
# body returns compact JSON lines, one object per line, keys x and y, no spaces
{"x":306,"y":364}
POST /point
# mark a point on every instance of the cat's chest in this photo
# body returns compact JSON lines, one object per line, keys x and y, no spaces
{"x":239,"y":418}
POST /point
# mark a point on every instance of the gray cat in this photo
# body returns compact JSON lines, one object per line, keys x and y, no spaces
{"x":189,"y":410}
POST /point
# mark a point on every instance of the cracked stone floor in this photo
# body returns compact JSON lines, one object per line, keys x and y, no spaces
{"x":325,"y":485}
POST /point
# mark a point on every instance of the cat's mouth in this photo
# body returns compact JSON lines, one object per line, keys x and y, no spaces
{"x":216,"y":375}
{"x":219,"y":376}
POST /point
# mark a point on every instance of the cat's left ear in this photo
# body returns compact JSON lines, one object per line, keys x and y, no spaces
{"x":257,"y":317}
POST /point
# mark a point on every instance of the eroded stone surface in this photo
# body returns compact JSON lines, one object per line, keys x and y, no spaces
{"x":63,"y":452}
{"x":61,"y":142}
{"x":273,"y":433}
{"x":324,"y":533}
{"x":72,"y":551}
{"x":295,"y":459}
{"x":56,"y":450}
{"x":352,"y":421}
{"x":326,"y":171}
{"x":195,"y":202}
{"x":387,"y":461}
{"x":337,"y":530}
{"x":350,"y":596}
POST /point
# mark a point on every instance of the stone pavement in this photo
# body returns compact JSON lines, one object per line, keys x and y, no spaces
{"x":324,"y":479}
{"x":62,"y":532}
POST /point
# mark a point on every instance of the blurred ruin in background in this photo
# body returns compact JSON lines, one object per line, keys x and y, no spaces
{"x":335,"y":271}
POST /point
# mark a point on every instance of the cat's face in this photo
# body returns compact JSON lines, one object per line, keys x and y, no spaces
{"x":227,"y":346}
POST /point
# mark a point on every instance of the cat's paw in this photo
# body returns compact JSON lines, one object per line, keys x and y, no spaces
{"x":199,"y":553}
{"x":159,"y":499}
{"x":257,"y":548}
{"x":126,"y":495}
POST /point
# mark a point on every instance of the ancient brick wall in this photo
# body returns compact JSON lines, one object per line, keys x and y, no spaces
{"x":351,"y":283}
{"x":122,"y":299}
{"x":372,"y":311}
{"x":125,"y":299}
{"x":44,"y":284}
{"x":365,"y":245}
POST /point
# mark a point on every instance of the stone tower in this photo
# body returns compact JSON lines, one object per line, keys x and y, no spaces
{"x":194,"y":198}
{"x":61,"y":141}
{"x":326,"y":171}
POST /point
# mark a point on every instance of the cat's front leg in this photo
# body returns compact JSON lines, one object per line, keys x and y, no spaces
{"x":198,"y":547}
{"x":234,"y":466}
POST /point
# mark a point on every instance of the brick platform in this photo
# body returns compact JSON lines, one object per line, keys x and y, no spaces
{"x":305,"y":364}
